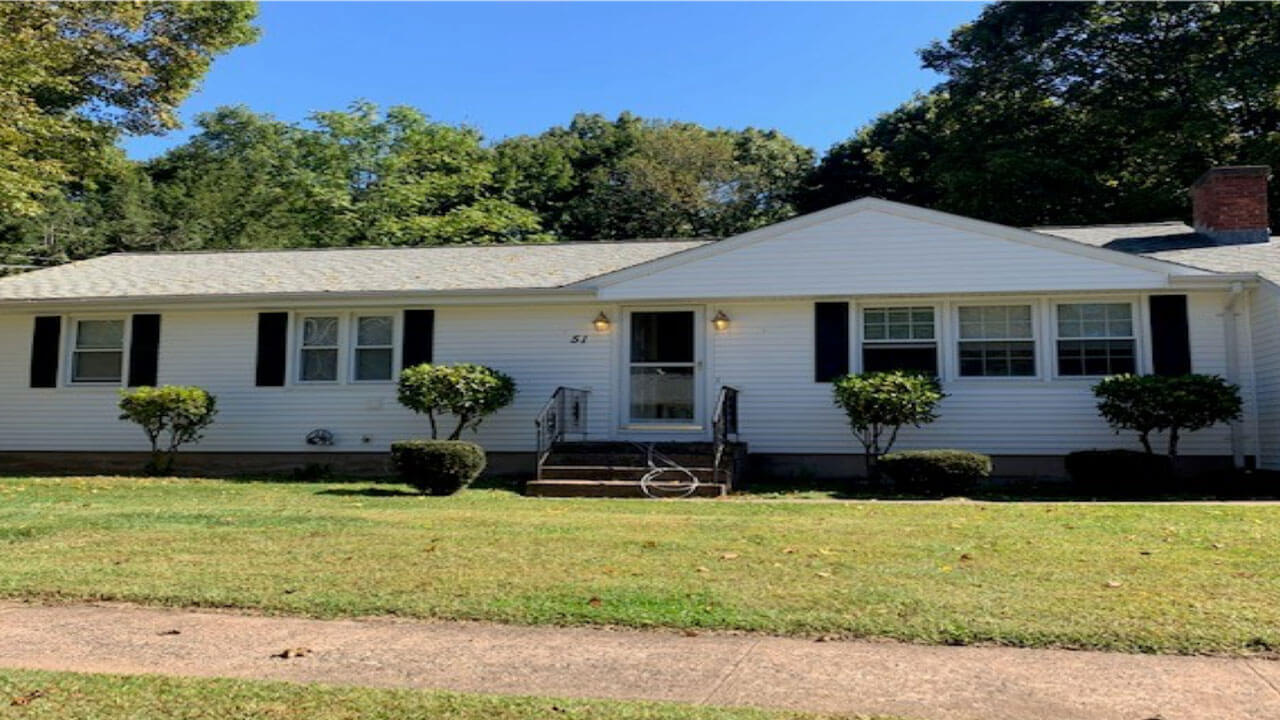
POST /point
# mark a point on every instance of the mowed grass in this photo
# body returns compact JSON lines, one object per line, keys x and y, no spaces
{"x":41,"y":695}
{"x":1135,"y":578}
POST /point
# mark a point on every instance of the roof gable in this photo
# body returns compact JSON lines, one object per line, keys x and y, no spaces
{"x":873,"y":246}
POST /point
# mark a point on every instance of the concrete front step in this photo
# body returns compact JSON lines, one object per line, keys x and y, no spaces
{"x":558,"y":487}
{"x":630,"y":473}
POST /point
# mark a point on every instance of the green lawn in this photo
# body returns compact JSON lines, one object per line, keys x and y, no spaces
{"x":70,"y":696}
{"x":1146,"y":578}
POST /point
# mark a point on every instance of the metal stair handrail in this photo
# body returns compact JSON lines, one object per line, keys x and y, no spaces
{"x":724,"y":423}
{"x":564,"y":413}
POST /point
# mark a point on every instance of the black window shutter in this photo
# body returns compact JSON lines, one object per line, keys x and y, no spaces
{"x":1170,"y":338}
{"x":45,"y":339}
{"x":830,"y":340}
{"x":419,"y":329}
{"x":273,"y":346}
{"x":144,"y":350}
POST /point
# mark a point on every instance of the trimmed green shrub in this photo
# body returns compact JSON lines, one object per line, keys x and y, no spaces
{"x":1120,"y":472}
{"x":878,"y":404}
{"x":1173,"y":404}
{"x":171,"y":416}
{"x":466,"y":391}
{"x":437,"y":467}
{"x":945,"y":471}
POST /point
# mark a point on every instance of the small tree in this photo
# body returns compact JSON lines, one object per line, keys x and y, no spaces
{"x":880,"y":403}
{"x":171,"y":416}
{"x":1176,"y":404}
{"x":466,"y":391}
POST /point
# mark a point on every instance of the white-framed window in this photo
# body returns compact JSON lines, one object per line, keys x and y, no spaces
{"x":318,"y":348}
{"x":900,"y":338}
{"x":97,"y":350}
{"x":996,"y":341}
{"x":373,"y":350}
{"x":1096,"y":339}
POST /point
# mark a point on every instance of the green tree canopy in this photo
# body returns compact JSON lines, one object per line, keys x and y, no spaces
{"x":75,"y":75}
{"x":597,"y":179}
{"x":1075,"y":113}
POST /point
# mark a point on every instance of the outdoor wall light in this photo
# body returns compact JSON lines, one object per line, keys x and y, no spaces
{"x":602,"y":322}
{"x":721,"y":321}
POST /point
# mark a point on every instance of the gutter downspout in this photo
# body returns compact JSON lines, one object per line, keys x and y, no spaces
{"x":1231,"y":334}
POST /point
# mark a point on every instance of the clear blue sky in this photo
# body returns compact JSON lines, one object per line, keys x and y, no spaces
{"x":814,"y":71}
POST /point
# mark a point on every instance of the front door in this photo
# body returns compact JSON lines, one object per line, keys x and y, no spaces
{"x":663,"y":378}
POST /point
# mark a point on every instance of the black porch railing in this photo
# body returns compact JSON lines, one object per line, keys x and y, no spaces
{"x":564,"y":414}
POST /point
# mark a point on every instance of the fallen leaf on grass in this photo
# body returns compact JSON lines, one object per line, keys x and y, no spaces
{"x":729,"y":556}
{"x":1114,"y":583}
{"x":789,"y":551}
{"x":965,"y":557}
{"x":704,"y":569}
{"x":595,"y":602}
{"x":823,"y":574}
{"x":690,"y":633}
{"x":290,"y":653}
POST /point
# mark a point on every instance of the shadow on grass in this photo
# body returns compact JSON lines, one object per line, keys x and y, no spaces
{"x":1221,"y":486}
{"x":369,"y":492}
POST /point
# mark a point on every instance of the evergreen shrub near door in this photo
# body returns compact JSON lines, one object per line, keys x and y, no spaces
{"x":437,"y":467}
{"x":936,"y":471}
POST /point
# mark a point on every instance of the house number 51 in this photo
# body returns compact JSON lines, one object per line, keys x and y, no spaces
{"x":578,"y":339}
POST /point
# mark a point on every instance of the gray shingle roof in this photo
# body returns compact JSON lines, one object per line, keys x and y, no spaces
{"x":1180,"y":243}
{"x":335,"y":271}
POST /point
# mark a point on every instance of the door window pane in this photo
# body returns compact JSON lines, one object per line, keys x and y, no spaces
{"x":662,"y":393}
{"x":662,"y":337}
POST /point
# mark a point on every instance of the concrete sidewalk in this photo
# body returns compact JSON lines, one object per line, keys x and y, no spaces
{"x":843,"y":677}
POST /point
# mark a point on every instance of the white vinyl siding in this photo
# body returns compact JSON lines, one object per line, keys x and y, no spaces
{"x":877,"y":253}
{"x":767,"y":352}
{"x":1264,"y":312}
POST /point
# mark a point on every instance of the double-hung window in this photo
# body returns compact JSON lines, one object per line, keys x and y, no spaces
{"x":97,"y":355}
{"x":318,"y":349}
{"x":1096,"y":339}
{"x":996,"y":341}
{"x":374,"y":342}
{"x":899,"y":338}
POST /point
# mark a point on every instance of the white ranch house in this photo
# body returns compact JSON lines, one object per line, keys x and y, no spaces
{"x":1017,"y":323}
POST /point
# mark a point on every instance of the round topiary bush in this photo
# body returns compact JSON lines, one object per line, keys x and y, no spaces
{"x":936,"y":471}
{"x":437,"y":467}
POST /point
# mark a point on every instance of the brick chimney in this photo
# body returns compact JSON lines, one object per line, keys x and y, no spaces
{"x":1229,"y":204}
